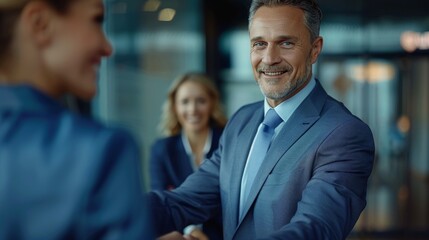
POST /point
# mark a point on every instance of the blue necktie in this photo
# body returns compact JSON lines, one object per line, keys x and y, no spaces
{"x":260,"y":147}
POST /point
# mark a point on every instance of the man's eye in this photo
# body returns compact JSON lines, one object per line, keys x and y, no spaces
{"x":258,"y":44}
{"x":287,"y":44}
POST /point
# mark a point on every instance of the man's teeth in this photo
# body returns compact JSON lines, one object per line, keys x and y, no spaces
{"x":273,"y":73}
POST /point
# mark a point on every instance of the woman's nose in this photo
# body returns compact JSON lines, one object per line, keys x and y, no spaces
{"x":107,"y":48}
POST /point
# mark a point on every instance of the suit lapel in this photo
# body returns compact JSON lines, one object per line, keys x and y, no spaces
{"x":242,"y":147}
{"x":300,"y":121}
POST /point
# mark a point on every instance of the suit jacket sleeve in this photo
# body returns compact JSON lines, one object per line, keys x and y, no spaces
{"x":158,"y":179}
{"x":117,"y":207}
{"x":194,"y":202}
{"x":335,"y":196}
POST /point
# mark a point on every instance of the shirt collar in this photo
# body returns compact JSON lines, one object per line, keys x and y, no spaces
{"x":286,"y":108}
{"x":188,"y":149}
{"x":207,"y":145}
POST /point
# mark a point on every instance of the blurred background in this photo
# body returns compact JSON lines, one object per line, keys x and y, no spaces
{"x":375,"y":59}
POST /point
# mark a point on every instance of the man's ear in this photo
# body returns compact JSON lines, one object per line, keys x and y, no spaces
{"x":316,"y":49}
{"x":37,"y":18}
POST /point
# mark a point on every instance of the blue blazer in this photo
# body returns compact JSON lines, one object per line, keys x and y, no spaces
{"x":170,"y":165}
{"x":63,"y":176}
{"x":312,"y":184}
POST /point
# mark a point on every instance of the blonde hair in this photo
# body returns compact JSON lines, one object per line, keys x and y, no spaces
{"x":170,"y":124}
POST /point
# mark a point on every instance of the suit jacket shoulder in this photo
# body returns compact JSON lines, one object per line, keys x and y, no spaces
{"x":77,"y":169}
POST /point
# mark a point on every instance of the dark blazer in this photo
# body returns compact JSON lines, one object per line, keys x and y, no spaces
{"x":170,"y":165}
{"x":63,"y":176}
{"x":311,"y":185}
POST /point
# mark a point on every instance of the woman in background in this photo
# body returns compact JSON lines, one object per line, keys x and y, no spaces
{"x":62,"y":176}
{"x":192,"y":121}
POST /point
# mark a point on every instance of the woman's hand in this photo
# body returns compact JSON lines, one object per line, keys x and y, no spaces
{"x":177,"y":236}
{"x":198,"y":234}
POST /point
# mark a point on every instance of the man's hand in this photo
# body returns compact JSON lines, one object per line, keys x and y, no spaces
{"x":199,"y":234}
{"x":176,"y":236}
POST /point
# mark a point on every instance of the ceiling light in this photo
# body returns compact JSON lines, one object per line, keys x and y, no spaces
{"x":166,"y":14}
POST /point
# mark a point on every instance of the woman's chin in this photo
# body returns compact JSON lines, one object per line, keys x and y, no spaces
{"x":86,"y":94}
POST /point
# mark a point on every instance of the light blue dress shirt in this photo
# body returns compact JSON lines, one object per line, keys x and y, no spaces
{"x":284,"y":110}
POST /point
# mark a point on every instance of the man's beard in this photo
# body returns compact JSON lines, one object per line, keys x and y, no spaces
{"x":290,"y":87}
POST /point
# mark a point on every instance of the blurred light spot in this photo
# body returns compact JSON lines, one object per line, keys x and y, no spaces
{"x":166,"y":14}
{"x":408,"y":40}
{"x":411,"y":41}
{"x":373,"y":72}
{"x":151,"y":5}
{"x":403,"y":124}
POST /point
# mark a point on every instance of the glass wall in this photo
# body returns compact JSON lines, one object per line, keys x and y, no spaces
{"x":154,"y":41}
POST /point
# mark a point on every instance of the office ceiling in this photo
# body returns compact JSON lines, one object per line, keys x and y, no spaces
{"x":234,"y":11}
{"x":374,"y":9}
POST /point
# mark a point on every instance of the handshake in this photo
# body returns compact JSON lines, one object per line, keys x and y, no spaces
{"x":194,"y":234}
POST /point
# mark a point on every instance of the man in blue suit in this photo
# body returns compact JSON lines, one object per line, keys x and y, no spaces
{"x":312,"y":181}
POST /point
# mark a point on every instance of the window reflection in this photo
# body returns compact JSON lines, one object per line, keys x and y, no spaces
{"x":148,"y":55}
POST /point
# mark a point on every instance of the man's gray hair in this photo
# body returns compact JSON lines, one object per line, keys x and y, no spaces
{"x":312,"y":12}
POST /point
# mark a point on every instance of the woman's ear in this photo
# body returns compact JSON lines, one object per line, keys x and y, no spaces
{"x":37,"y":19}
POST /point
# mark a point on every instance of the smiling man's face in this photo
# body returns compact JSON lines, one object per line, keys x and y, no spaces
{"x":282,"y":53}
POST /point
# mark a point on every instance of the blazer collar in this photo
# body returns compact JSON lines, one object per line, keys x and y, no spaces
{"x":25,"y":98}
{"x":241,"y":150}
{"x":301,"y":120}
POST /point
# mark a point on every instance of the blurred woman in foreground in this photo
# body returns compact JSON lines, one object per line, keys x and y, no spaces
{"x":62,"y":176}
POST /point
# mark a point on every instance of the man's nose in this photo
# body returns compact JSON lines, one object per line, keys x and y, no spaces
{"x":271,"y":55}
